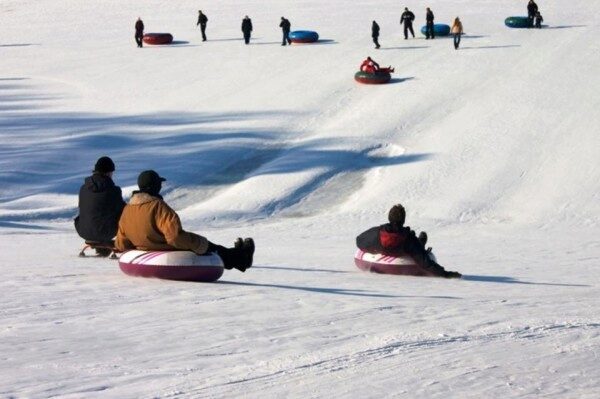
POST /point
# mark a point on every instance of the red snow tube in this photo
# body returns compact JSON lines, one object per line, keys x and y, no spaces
{"x":383,"y":264}
{"x":172,"y":265}
{"x":377,"y":78}
{"x":158,"y":38}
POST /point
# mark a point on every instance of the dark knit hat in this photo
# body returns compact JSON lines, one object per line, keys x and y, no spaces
{"x":397,"y":215}
{"x":104,"y":165}
{"x":150,"y":180}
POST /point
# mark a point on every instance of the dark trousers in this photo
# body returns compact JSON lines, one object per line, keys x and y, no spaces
{"x":415,"y":248}
{"x":456,"y":40}
{"x":538,"y":23}
{"x":232,"y":257}
{"x":139,"y":39}
{"x":376,"y":41}
{"x":530,"y":18}
{"x":429,"y":30}
{"x":407,"y":28}
{"x":203,"y":30}
{"x":247,"y":37}
{"x":286,"y":38}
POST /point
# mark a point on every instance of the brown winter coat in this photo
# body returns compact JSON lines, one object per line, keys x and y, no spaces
{"x":457,"y":27}
{"x":149,"y":224}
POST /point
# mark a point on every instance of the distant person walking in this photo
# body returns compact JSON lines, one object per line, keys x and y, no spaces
{"x":538,"y":20}
{"x":532,"y":9}
{"x":139,"y":32}
{"x":429,"y":33}
{"x":375,"y":34}
{"x":202,"y":21}
{"x":247,"y":28}
{"x":457,"y":31}
{"x":285,"y":26}
{"x":407,"y":19}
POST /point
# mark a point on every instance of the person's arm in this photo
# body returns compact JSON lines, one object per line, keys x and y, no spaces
{"x":168,"y":223}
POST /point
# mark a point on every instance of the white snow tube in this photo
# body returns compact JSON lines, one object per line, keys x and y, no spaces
{"x":385,"y":264}
{"x":172,"y":265}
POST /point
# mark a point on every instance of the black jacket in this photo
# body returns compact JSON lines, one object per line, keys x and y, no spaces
{"x":407,"y":18}
{"x":139,"y":27}
{"x":375,"y":29}
{"x":532,"y":8}
{"x":246,"y":25}
{"x":100,"y":207}
{"x":202,"y":19}
{"x":429,"y":17}
{"x":285,"y":25}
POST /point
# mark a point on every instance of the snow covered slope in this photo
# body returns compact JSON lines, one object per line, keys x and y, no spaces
{"x":493,"y":150}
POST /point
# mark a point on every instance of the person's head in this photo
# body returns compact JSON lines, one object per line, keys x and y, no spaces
{"x":104,"y":166}
{"x":405,"y":8}
{"x":139,"y":18}
{"x":199,"y":11}
{"x":397,"y":215}
{"x":246,"y":17}
{"x":369,"y":59}
{"x":282,"y":18}
{"x":428,"y":9}
{"x":456,"y":19}
{"x":150,"y":182}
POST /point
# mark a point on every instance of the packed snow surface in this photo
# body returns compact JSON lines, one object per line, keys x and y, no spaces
{"x":493,"y":150}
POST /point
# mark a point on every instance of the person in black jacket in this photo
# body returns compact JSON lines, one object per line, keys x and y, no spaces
{"x":407,"y":19}
{"x":375,"y":34}
{"x":395,"y":239}
{"x":247,"y":28}
{"x":100,"y":205}
{"x":139,"y":32}
{"x":429,"y":24}
{"x":202,"y":21}
{"x":285,"y":26}
{"x":532,"y":9}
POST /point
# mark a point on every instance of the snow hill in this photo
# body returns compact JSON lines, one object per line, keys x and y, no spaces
{"x":493,"y":150}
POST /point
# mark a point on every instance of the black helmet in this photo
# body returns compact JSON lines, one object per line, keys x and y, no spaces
{"x":149,"y":181}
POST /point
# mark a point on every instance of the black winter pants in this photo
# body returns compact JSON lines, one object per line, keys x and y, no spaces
{"x":247,"y":37}
{"x":139,"y":39}
{"x":203,"y":30}
{"x":429,"y":31}
{"x":456,"y":40}
{"x":286,"y":38}
{"x":376,"y":41}
{"x":407,"y":28}
{"x":231,"y":257}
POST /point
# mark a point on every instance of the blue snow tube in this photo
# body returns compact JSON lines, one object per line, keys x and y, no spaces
{"x":517,"y":22}
{"x":304,"y":36}
{"x":438,"y":30}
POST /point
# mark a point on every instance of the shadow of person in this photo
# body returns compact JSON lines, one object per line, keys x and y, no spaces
{"x":512,"y":280}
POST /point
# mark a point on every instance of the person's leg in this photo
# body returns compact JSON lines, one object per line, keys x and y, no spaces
{"x":412,"y":32}
{"x":239,"y":257}
{"x":458,"y":40}
{"x":203,"y":29}
{"x":405,"y":32}
{"x":284,"y":42}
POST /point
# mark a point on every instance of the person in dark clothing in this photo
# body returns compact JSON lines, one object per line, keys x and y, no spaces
{"x":247,"y":28}
{"x":532,"y":9}
{"x":429,"y":24}
{"x":285,"y":26}
{"x":100,"y":206}
{"x":395,"y":239}
{"x":139,"y":32}
{"x":538,"y":20}
{"x":375,"y":34}
{"x":407,"y":19}
{"x":202,"y":21}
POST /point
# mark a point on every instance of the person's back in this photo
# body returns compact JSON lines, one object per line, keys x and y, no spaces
{"x":285,"y":24}
{"x":139,"y":26}
{"x":100,"y":204}
{"x":246,"y":25}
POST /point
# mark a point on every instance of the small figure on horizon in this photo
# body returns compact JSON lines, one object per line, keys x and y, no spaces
{"x":202,"y":21}
{"x":247,"y":28}
{"x":370,"y":66}
{"x":375,"y":34}
{"x":149,"y":224}
{"x":457,"y":31}
{"x":429,"y":29}
{"x":538,"y":20}
{"x":395,"y":239}
{"x":139,"y":32}
{"x":532,"y":9}
{"x":285,"y":26}
{"x":100,"y":206}
{"x":407,"y":19}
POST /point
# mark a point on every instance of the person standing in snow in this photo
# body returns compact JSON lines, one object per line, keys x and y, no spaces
{"x":375,"y":34}
{"x":429,"y":30}
{"x":139,"y":32}
{"x":457,"y":31}
{"x":247,"y":28}
{"x":538,"y":20}
{"x":395,"y":239}
{"x":532,"y":9}
{"x":100,"y":206}
{"x":407,"y":19}
{"x":285,"y":26}
{"x":202,"y":21}
{"x":149,"y":224}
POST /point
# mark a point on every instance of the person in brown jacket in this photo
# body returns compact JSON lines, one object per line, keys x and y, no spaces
{"x":148,"y":223}
{"x":457,"y":31}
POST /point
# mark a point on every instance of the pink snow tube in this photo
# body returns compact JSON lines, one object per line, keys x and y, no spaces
{"x":172,"y":265}
{"x":383,"y":264}
{"x":158,"y":38}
